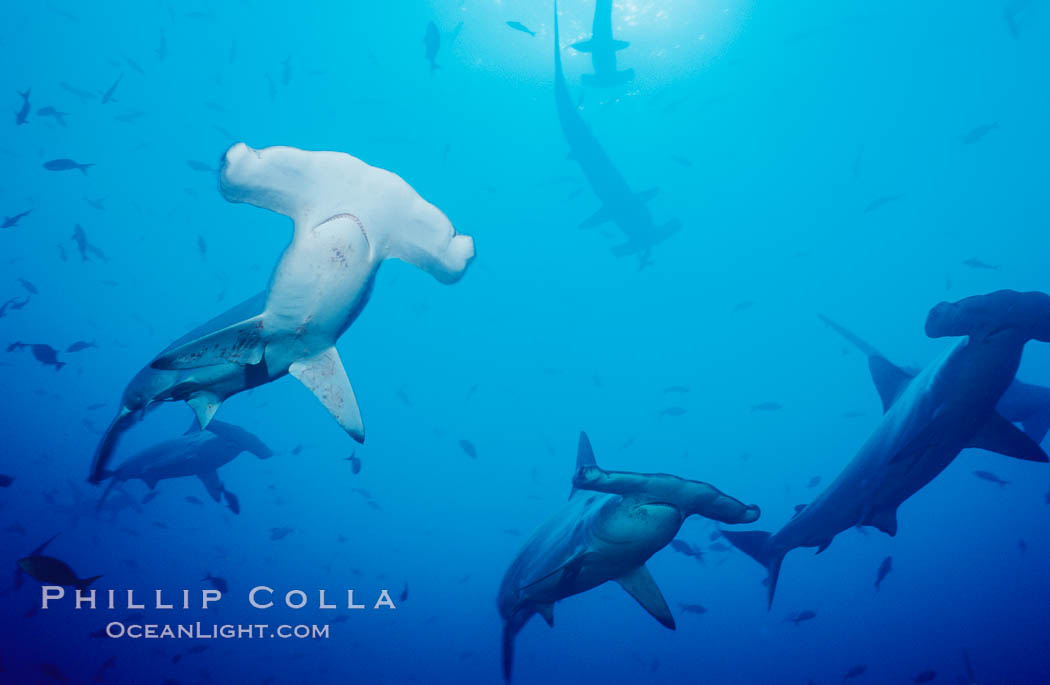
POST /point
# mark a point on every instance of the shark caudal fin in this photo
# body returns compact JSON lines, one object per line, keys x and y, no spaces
{"x":104,"y":452}
{"x":584,"y":457}
{"x":83,"y":583}
{"x":511,"y":627}
{"x":755,"y":544}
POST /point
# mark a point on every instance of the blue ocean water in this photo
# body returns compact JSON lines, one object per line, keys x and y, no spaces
{"x":861,"y":161}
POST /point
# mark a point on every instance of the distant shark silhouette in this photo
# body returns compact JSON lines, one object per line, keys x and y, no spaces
{"x":348,"y":218}
{"x":929,"y":419}
{"x":198,"y":453}
{"x":620,"y":204}
{"x":603,"y":48}
{"x":1022,"y":403}
{"x":613,"y":522}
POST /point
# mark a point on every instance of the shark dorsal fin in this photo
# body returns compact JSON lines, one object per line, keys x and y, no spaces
{"x":999,"y":435}
{"x":890,"y":379}
{"x":640,"y":584}
{"x":584,"y":457}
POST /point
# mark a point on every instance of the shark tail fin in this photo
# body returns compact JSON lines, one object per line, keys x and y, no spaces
{"x":511,"y":627}
{"x":83,"y":583}
{"x":104,"y":452}
{"x":755,"y":544}
{"x":109,"y":488}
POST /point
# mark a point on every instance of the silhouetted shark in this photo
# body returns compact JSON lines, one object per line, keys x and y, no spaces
{"x":620,"y":204}
{"x":603,"y":48}
{"x":930,"y":418}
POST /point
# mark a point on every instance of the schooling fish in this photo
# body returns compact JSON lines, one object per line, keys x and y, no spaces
{"x":64,"y":164}
{"x":200,"y":166}
{"x":45,"y":354}
{"x":767,"y":406}
{"x":12,"y":221}
{"x":59,"y":117}
{"x":86,"y":248}
{"x":217,"y":583}
{"x":106,"y":665}
{"x":858,"y":670}
{"x":924,"y":677}
{"x":677,"y":388}
{"x":672,"y":411}
{"x":22,"y":115}
{"x":518,"y":26}
{"x":991,"y":478}
{"x":813,"y":482}
{"x":432,"y":43}
{"x":884,"y":570}
{"x":279,"y":533}
{"x":975,"y":263}
{"x":13,"y":303}
{"x":355,"y":463}
{"x":108,"y":95}
{"x":6,"y":480}
{"x":54,"y":572}
{"x":80,"y":345}
{"x":804,"y":615}
{"x":84,"y":95}
{"x":880,"y":202}
{"x":404,"y":593}
{"x":977,"y":133}
{"x":468,"y":447}
{"x":28,"y":286}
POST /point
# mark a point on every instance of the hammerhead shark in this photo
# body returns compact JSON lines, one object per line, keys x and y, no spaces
{"x":197,"y":453}
{"x":348,"y":218}
{"x":613,"y":522}
{"x":620,"y":204}
{"x":931,"y":417}
{"x":1022,"y":403}
{"x":603,"y":48}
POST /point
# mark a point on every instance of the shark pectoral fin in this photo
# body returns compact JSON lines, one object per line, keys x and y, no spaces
{"x":890,"y":380}
{"x":597,"y":219}
{"x":547,"y":612}
{"x":583,"y":46}
{"x":999,"y":435}
{"x":883,"y":519}
{"x":326,"y":378}
{"x":240,"y":343}
{"x":212,"y":484}
{"x":204,"y":405}
{"x":620,"y":44}
{"x":640,"y":585}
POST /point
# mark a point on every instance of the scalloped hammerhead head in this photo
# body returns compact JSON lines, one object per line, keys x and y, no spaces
{"x":197,"y":453}
{"x":949,"y":406}
{"x":613,"y":522}
{"x":603,"y":48}
{"x":348,"y":217}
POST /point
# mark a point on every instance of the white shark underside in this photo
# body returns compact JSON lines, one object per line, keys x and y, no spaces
{"x":611,"y":525}
{"x":348,"y":218}
{"x":947,"y":407}
{"x":620,"y":205}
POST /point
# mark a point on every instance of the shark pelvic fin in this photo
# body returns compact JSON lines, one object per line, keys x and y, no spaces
{"x":204,"y":405}
{"x":883,"y":519}
{"x":547,"y":612}
{"x":212,"y":484}
{"x":640,"y":585}
{"x":326,"y":378}
{"x":999,"y":435}
{"x":240,"y":343}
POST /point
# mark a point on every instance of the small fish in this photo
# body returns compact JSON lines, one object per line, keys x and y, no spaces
{"x":52,"y":671}
{"x":355,"y":463}
{"x":98,"y":204}
{"x":977,"y":133}
{"x":682,"y":160}
{"x":683,"y":547}
{"x":693,"y":608}
{"x":518,"y":26}
{"x":813,"y":482}
{"x":884,"y":570}
{"x":672,"y":411}
{"x":85,"y":247}
{"x":432,"y":43}
{"x":59,"y":117}
{"x":404,"y":593}
{"x":279,"y":533}
{"x":975,"y":263}
{"x":202,"y":247}
{"x":468,"y":447}
{"x":64,"y":164}
{"x":106,"y":665}
{"x":232,"y":502}
{"x":28,"y":286}
{"x":6,"y":480}
{"x":217,"y":583}
{"x":45,"y":354}
{"x":80,"y":346}
{"x":676,"y":388}
{"x":53,"y":572}
{"x":924,"y":677}
{"x":991,"y":478}
{"x":767,"y":406}
{"x":13,"y":303}
{"x":855,"y":671}
{"x":804,"y":615}
{"x":108,"y":95}
{"x":22,"y":115}
{"x":193,"y":500}
{"x":200,"y":166}
{"x":84,"y":95}
{"x":12,"y":221}
{"x":162,"y":49}
{"x":880,"y":202}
